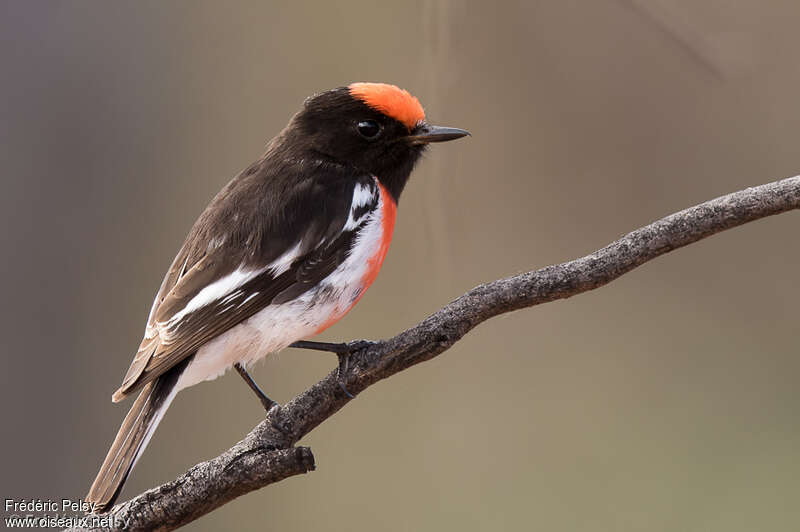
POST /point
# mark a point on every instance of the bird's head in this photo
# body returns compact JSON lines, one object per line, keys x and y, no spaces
{"x":374,"y":127}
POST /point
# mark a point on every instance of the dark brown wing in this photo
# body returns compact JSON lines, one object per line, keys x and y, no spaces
{"x":211,"y":288}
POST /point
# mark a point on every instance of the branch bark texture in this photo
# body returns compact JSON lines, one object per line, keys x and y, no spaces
{"x":268,"y":453}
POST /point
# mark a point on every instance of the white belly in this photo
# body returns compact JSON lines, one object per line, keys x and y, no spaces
{"x":270,"y":330}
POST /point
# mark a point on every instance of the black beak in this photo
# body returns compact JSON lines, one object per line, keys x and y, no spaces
{"x":425,"y":134}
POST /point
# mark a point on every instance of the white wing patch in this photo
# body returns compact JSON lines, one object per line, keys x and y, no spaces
{"x":282,"y":263}
{"x":248,"y":298}
{"x":226,"y":289}
{"x":362,"y":195}
{"x":213,"y":292}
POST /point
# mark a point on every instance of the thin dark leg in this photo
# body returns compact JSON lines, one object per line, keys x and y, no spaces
{"x":342,"y":351}
{"x":322,"y":346}
{"x":266,"y":401}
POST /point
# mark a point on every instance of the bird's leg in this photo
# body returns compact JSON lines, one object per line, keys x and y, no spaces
{"x":266,"y":401}
{"x":342,"y":350}
{"x":339,"y":349}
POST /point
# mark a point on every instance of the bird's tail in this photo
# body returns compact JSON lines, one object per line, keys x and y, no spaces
{"x":132,"y":438}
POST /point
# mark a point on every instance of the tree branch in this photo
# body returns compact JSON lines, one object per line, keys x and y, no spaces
{"x":267,"y":455}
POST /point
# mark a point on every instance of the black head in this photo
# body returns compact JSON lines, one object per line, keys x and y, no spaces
{"x":372,"y":127}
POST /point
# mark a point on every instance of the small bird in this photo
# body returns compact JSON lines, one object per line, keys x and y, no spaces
{"x":281,"y":253}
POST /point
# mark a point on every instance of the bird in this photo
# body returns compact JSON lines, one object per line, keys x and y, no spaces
{"x":280,"y":254}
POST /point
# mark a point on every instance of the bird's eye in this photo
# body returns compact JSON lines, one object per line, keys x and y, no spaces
{"x":369,"y":129}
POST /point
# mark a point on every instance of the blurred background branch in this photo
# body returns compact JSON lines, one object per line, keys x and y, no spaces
{"x":267,"y":455}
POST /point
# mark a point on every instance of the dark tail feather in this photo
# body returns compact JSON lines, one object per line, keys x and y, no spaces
{"x":132,"y":438}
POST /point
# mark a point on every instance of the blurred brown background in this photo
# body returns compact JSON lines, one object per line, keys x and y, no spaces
{"x":665,"y":401}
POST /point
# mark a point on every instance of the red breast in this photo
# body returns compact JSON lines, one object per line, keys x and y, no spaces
{"x":374,"y":263}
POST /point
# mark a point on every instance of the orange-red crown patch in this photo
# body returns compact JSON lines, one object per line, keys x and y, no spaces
{"x":391,"y":101}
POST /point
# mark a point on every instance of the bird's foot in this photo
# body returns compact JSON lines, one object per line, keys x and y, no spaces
{"x":343,"y":351}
